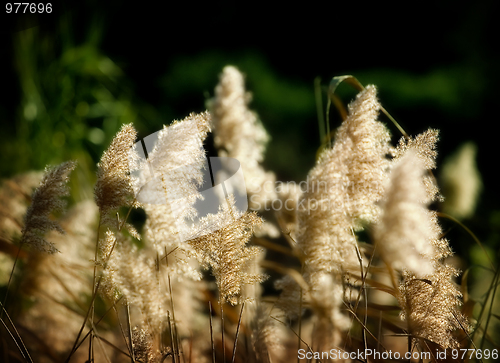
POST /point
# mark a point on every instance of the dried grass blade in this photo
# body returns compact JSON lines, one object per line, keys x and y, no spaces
{"x":27,"y":357}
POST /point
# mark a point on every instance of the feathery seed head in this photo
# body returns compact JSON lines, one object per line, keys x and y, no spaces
{"x":430,"y":306}
{"x":405,"y":234}
{"x":143,"y":345}
{"x":46,"y":199}
{"x":237,"y":129}
{"x":114,"y":187}
{"x":181,"y":144}
{"x":266,"y":335}
{"x":225,"y":250}
{"x":239,"y":134}
{"x":429,"y":299}
{"x":132,"y":273}
{"x":424,"y":145}
{"x":106,"y":246}
{"x":343,"y":188}
{"x":177,"y":161}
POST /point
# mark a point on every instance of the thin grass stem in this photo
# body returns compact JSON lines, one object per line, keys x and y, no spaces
{"x":26,"y":357}
{"x":4,"y":303}
{"x":129,"y":328}
{"x":211,"y":332}
{"x":18,"y":335}
{"x":488,"y":318}
{"x":222,"y":331}
{"x":237,"y":333}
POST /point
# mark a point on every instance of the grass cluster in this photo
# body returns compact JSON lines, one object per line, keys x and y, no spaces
{"x":353,"y":259}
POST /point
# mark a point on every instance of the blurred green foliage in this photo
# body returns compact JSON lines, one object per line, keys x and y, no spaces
{"x":73,"y":100}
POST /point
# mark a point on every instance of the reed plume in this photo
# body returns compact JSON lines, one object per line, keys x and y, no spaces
{"x":430,"y":299}
{"x":343,"y":187}
{"x":132,"y":273}
{"x":114,"y":187}
{"x":177,"y":161}
{"x":225,"y":250}
{"x":341,"y":192}
{"x":431,"y":306}
{"x":239,"y":134}
{"x":404,"y":235}
{"x":46,"y":199}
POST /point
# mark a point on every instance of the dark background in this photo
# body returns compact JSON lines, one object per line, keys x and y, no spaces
{"x":94,"y":66}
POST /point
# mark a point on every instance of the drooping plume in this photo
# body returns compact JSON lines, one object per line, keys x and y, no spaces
{"x":46,"y":199}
